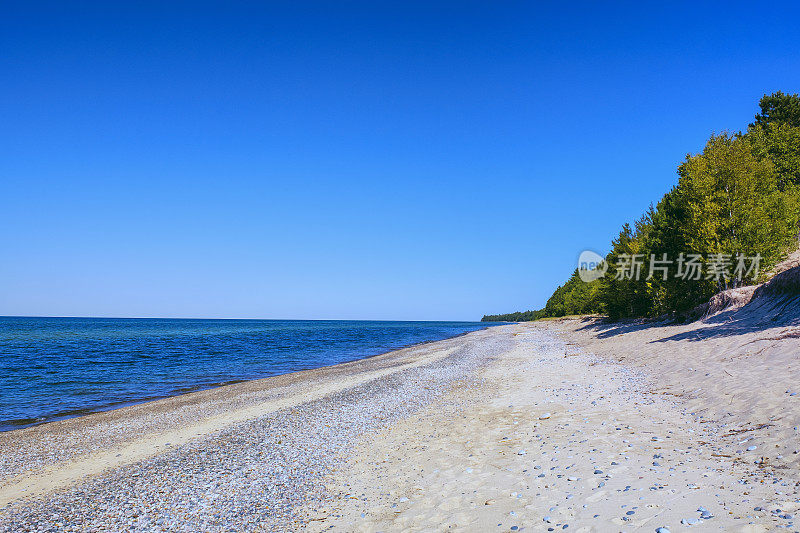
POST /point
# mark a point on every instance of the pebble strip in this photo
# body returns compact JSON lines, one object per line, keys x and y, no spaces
{"x":252,"y":475}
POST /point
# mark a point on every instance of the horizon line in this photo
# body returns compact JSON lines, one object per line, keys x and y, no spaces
{"x":233,"y":318}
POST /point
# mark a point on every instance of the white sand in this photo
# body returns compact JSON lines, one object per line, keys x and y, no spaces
{"x":608,"y":436}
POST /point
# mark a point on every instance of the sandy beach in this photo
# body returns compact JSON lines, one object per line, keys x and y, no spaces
{"x":571,"y":424}
{"x":557,"y":437}
{"x":399,"y":267}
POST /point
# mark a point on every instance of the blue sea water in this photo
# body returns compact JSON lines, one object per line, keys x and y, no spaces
{"x":54,"y":368}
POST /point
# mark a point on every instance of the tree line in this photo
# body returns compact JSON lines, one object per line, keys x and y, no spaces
{"x":738,"y":198}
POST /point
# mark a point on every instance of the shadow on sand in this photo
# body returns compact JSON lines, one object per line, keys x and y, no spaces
{"x":761,"y":313}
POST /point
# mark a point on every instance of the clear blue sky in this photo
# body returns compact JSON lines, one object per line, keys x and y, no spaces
{"x":350,"y":160}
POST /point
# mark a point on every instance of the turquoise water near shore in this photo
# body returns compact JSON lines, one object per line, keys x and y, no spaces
{"x":54,"y":368}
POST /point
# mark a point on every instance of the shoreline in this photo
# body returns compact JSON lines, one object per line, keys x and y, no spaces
{"x":95,"y":443}
{"x":12,"y":425}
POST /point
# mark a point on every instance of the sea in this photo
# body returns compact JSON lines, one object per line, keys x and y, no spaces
{"x":56,"y":368}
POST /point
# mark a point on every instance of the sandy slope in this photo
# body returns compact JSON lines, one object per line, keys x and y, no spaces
{"x":740,"y":380}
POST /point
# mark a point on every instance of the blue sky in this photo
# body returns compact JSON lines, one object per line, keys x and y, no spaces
{"x":350,"y":160}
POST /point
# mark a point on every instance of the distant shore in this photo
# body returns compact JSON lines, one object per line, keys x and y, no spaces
{"x":535,"y":425}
